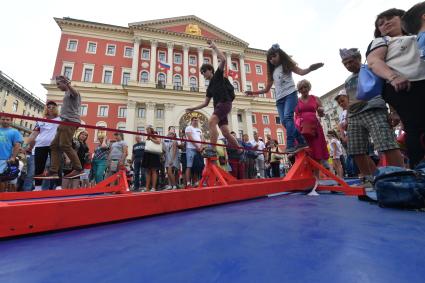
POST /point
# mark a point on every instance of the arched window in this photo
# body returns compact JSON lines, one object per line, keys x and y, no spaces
{"x":236,"y":85}
{"x":162,"y":78}
{"x":177,"y":80}
{"x":267,"y":132}
{"x":144,"y":77}
{"x":121,"y":126}
{"x":193,"y":82}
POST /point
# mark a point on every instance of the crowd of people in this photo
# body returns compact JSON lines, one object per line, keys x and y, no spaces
{"x":57,"y":156}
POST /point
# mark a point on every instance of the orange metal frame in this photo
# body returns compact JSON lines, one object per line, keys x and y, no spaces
{"x":31,"y":212}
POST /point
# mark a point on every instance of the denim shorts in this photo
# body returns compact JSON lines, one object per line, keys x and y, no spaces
{"x":190,"y":156}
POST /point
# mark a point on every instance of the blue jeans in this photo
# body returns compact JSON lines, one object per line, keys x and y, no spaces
{"x":29,"y":178}
{"x":139,"y":174}
{"x":285,"y":107}
{"x":99,"y":168}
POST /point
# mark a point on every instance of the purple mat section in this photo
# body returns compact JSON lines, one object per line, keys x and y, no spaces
{"x":292,"y":238}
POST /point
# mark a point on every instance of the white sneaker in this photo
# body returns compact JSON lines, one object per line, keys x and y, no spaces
{"x":168,"y":187}
{"x":174,"y":188}
{"x":153,"y":190}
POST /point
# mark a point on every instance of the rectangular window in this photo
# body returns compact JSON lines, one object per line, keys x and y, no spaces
{"x":72,"y":45}
{"x":261,"y":87}
{"x":240,"y":132}
{"x":258,"y":69}
{"x":107,"y":77}
{"x":192,"y":60}
{"x":15,"y":106}
{"x":128,"y":52}
{"x":88,"y":75}
{"x":265,"y":119}
{"x":159,"y":113}
{"x":277,"y":120}
{"x":122,"y":112}
{"x":140,"y":129}
{"x":125,"y":78}
{"x":280,"y":137}
{"x":162,"y":56}
{"x":121,"y":126}
{"x":177,"y":58}
{"x":102,"y":111}
{"x":247,"y":68}
{"x":248,"y":86}
{"x":207,"y":61}
{"x":273,"y":92}
{"x":146,"y":54}
{"x":141,"y":112}
{"x":111,"y":49}
{"x":235,"y":66}
{"x":240,"y":118}
{"x":67,"y":72}
{"x":91,"y":47}
{"x":83,"y":110}
{"x":160,"y":131}
{"x":254,"y":119}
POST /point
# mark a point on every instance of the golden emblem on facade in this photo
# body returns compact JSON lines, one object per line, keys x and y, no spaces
{"x":193,"y":29}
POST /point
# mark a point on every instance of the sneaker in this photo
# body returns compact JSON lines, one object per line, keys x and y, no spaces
{"x":168,"y":187}
{"x":174,"y":188}
{"x":48,"y":176}
{"x":209,"y":152}
{"x":74,"y":174}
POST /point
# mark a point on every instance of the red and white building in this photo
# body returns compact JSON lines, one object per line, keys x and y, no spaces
{"x":123,"y":85}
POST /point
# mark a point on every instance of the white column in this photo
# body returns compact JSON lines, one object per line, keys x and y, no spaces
{"x":243,"y":73}
{"x":135,"y":61}
{"x":150,"y":113}
{"x":228,"y":60}
{"x":130,"y":125}
{"x":215,"y":60}
{"x":186,"y":67}
{"x":234,"y":120}
{"x":201,"y":80}
{"x":168,"y":116}
{"x":152,"y":71}
{"x":248,"y":123}
{"x":170,"y":46}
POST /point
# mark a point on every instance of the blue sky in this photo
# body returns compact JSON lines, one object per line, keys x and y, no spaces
{"x":311,"y":31}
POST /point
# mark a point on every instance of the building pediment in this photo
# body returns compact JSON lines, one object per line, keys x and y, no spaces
{"x":188,"y":26}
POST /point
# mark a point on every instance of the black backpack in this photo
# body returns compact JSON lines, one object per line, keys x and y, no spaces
{"x":229,"y":88}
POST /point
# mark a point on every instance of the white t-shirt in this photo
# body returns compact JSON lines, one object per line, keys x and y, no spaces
{"x":403,"y":56}
{"x":196,"y":135}
{"x":335,"y":153}
{"x":117,"y":150}
{"x":261,"y":146}
{"x":343,"y":117}
{"x":47,"y":132}
{"x":283,"y":82}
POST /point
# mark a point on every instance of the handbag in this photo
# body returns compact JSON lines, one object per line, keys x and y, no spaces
{"x":369,"y":85}
{"x":308,"y":129}
{"x":154,"y":148}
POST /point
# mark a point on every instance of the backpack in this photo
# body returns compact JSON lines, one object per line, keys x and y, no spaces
{"x":229,"y":88}
{"x":11,"y":172}
{"x":400,"y":187}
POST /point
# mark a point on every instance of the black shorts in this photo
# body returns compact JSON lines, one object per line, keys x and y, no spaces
{"x":221,"y":110}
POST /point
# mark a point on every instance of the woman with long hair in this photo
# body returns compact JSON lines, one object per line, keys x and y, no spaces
{"x":42,"y":136}
{"x":172,"y":164}
{"x":280,"y":67}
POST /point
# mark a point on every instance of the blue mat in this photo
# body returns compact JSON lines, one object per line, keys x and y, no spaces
{"x":293,"y":238}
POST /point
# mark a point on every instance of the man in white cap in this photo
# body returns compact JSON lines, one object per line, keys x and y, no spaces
{"x":367,"y":119}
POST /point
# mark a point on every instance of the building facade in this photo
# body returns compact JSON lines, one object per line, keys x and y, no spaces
{"x":16,"y":99}
{"x":331,"y":119}
{"x":148,"y":74}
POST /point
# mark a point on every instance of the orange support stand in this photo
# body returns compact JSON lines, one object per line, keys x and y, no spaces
{"x":305,"y":166}
{"x":106,"y":186}
{"x":32,"y":212}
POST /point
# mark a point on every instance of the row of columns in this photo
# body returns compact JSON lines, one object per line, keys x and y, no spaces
{"x":170,"y":46}
{"x":170,"y":121}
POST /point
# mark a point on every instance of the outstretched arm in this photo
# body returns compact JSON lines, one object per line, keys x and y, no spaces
{"x":262,"y":91}
{"x":220,"y":54}
{"x":302,"y":72}
{"x":200,"y":106}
